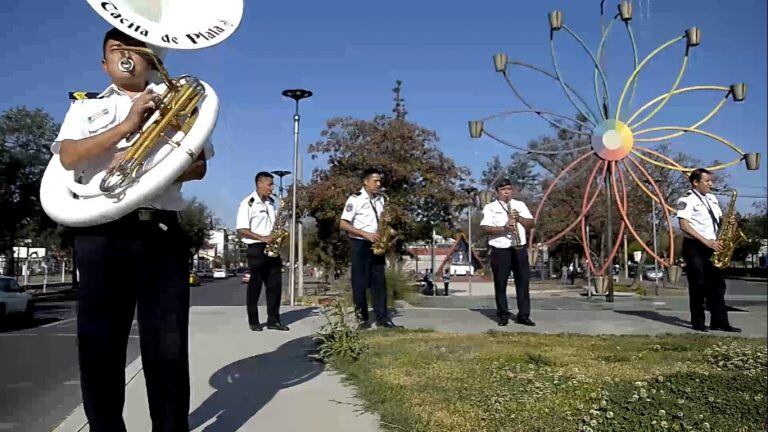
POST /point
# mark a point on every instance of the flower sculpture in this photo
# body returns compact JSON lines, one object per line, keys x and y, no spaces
{"x":615,"y":153}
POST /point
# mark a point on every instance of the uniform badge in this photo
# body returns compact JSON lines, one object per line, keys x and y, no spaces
{"x":349,"y":207}
{"x":681,"y":205}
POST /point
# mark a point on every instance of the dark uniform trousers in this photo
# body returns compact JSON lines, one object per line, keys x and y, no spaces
{"x":268,"y":271}
{"x":706,"y":284}
{"x":504,"y":261}
{"x":137,"y":263}
{"x":368,"y":271}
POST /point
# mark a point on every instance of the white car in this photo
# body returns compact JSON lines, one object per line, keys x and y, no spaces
{"x":13,"y":299}
{"x":219,"y":273}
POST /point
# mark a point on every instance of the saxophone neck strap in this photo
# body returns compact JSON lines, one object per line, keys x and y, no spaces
{"x":715,"y":221}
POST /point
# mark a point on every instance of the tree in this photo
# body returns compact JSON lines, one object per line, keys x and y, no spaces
{"x":421,"y":182}
{"x":25,"y":138}
{"x":196,"y":222}
{"x":519,"y":171}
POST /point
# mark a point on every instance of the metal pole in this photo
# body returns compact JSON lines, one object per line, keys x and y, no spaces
{"x":655,"y":251}
{"x":292,"y":254}
{"x":300,"y":235}
{"x":432,"y":262}
{"x":296,"y":95}
{"x":609,"y":297}
{"x":469,"y":249}
{"x":589,"y":257}
{"x":626,"y":258}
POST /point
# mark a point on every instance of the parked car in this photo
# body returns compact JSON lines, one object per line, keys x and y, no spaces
{"x":207,"y":273}
{"x":14,"y":299}
{"x":219,"y":273}
{"x":651,"y":274}
{"x":246,"y":276}
{"x":193,"y":279}
{"x":231,"y":272}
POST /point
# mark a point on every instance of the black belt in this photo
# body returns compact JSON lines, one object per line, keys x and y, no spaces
{"x":136,"y":220}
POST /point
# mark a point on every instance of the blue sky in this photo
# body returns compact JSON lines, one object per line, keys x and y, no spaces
{"x":350,"y":53}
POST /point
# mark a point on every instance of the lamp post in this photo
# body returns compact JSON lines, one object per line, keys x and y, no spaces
{"x":470,"y":191}
{"x":296,"y":95}
{"x":281,"y":174}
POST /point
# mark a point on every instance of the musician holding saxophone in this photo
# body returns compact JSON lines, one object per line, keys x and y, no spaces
{"x":137,"y":262}
{"x":256,"y":219}
{"x":700,"y":217}
{"x":506,"y":220}
{"x":361,"y":219}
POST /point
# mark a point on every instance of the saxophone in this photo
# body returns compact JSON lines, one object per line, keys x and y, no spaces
{"x":729,"y":236}
{"x":385,"y":232}
{"x":279,"y":231}
{"x":514,"y":233}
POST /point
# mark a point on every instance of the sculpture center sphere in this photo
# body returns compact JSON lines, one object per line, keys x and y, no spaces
{"x":612,"y":140}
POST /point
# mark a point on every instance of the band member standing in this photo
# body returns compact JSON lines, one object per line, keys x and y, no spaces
{"x":360,"y":219}
{"x":508,"y":251}
{"x":138,"y":262}
{"x":255,"y":222}
{"x":699,"y":215}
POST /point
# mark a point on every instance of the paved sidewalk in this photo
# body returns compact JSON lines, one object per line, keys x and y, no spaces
{"x":250,"y":381}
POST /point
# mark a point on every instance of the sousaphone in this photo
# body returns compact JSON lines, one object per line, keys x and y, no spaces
{"x":172,"y":136}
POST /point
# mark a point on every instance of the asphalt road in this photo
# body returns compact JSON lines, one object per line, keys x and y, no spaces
{"x":39,"y":377}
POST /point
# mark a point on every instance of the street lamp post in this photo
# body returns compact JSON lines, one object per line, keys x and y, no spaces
{"x":471,"y":192}
{"x":281,"y":174}
{"x":296,"y":95}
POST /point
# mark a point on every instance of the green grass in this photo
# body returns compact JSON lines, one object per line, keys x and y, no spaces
{"x":426,"y":381}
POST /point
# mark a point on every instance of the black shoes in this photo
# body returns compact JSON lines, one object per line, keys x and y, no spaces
{"x":387,"y":323}
{"x":363,"y":325}
{"x":526,"y":322}
{"x":278,"y":326}
{"x":700,"y":328}
{"x":503,"y":321}
{"x":256,"y":327}
{"x":726,"y":328}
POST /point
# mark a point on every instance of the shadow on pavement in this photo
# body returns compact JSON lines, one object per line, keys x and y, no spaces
{"x":292,"y":316}
{"x":246,"y":386}
{"x":655,"y":316}
{"x":491,"y":314}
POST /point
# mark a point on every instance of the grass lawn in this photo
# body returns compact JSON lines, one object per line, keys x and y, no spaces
{"x":428,"y":381}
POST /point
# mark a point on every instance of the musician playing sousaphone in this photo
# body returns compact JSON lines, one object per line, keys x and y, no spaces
{"x":360,"y":219}
{"x":136,"y":262}
{"x":506,"y":220}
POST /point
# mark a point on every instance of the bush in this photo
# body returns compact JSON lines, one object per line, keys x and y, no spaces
{"x":339,"y":338}
{"x":399,"y":287}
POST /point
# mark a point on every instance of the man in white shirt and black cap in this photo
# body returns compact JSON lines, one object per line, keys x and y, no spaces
{"x":700,"y":216}
{"x":506,"y":220}
{"x":255,"y":222}
{"x":360,"y":219}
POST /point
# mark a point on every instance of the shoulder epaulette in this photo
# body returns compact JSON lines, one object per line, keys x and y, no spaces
{"x":356,"y":193}
{"x":250,"y":201}
{"x":82,"y":95}
{"x":688,"y":193}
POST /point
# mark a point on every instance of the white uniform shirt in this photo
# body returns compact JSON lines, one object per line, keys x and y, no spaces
{"x":257,"y":216}
{"x":496,"y":214}
{"x":90,"y":117}
{"x":695,"y":209}
{"x":363,"y":212}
